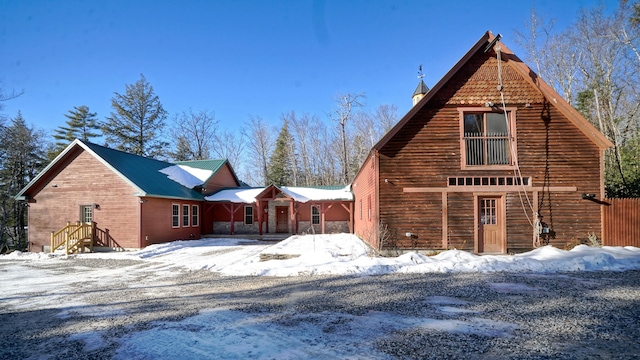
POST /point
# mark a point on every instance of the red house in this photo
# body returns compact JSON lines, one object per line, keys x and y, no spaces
{"x":91,"y":195}
{"x":123,"y":201}
{"x":491,"y":160}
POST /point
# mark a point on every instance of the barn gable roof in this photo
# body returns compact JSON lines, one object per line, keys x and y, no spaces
{"x":529,"y":75}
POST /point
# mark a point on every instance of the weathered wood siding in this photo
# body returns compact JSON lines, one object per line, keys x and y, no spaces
{"x":426,"y":151}
{"x":83,"y":180}
{"x":622,"y":222}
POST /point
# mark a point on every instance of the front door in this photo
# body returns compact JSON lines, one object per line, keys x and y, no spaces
{"x":282,"y":219}
{"x":86,"y":213}
{"x":491,"y":225}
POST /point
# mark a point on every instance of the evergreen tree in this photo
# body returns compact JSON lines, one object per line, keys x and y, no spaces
{"x":136,"y":124}
{"x":82,"y":125}
{"x":280,"y":165}
{"x":21,"y":157}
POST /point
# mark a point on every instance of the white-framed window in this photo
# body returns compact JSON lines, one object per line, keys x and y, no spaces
{"x":369,"y":208}
{"x":86,"y":213}
{"x":175,"y":215}
{"x":315,"y":215}
{"x":185,"y":216}
{"x":360,"y":209}
{"x":248,"y":215}
{"x":486,"y":137}
{"x":195,"y":213}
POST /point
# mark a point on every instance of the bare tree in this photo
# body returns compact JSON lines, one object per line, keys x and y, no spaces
{"x":386,"y":116}
{"x":193,"y":133}
{"x":230,"y":145}
{"x":346,"y":105}
{"x":260,"y":143}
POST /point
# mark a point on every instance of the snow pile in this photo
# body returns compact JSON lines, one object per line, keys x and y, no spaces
{"x":186,"y":175}
{"x":344,"y":254}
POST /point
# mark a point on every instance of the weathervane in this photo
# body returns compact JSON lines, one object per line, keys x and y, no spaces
{"x":420,"y":74}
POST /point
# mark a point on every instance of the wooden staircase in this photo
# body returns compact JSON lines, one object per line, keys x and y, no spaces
{"x":74,"y":238}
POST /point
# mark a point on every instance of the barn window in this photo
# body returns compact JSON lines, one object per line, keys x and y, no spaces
{"x":315,"y":215}
{"x":248,"y":215}
{"x":185,"y":215}
{"x":195,"y":210}
{"x":175,"y":215}
{"x":485,"y":138}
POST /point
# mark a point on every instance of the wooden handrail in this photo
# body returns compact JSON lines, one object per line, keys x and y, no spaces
{"x":73,"y":237}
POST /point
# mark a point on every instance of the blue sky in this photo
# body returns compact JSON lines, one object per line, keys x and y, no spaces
{"x":242,"y":58}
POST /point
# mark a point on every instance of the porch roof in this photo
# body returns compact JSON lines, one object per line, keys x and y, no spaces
{"x":299,"y":194}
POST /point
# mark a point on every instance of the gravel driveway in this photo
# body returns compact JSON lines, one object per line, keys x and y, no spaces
{"x":493,"y":316}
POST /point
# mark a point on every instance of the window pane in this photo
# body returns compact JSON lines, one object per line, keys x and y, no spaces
{"x":175,"y":216}
{"x":475,"y":151}
{"x":496,"y":124}
{"x":194,"y":215}
{"x":315,"y":215}
{"x":248,"y":215}
{"x":86,"y":213}
{"x":497,"y":151}
{"x":185,"y":215}
{"x":473,"y":123}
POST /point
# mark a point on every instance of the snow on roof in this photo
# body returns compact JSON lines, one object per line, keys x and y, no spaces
{"x":186,"y":175}
{"x":236,"y":195}
{"x":304,"y":194}
{"x":300,"y":194}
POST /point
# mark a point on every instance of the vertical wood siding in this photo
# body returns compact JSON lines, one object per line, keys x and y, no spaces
{"x":622,"y":222}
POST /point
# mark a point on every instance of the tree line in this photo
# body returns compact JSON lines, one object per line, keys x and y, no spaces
{"x":595,"y":65}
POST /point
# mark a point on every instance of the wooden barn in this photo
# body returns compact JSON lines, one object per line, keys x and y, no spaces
{"x":281,"y":210}
{"x":490,"y":160}
{"x":120,"y":200}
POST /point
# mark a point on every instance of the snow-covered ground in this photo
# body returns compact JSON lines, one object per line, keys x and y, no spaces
{"x":345,"y":254}
{"x":91,"y":297}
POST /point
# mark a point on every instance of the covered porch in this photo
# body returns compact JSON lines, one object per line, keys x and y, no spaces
{"x":280,"y":210}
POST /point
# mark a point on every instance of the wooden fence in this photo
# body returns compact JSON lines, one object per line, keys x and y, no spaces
{"x":621,"y":225}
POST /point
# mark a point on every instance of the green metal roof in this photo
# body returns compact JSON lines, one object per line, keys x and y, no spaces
{"x":214,"y":165}
{"x":143,"y":173}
